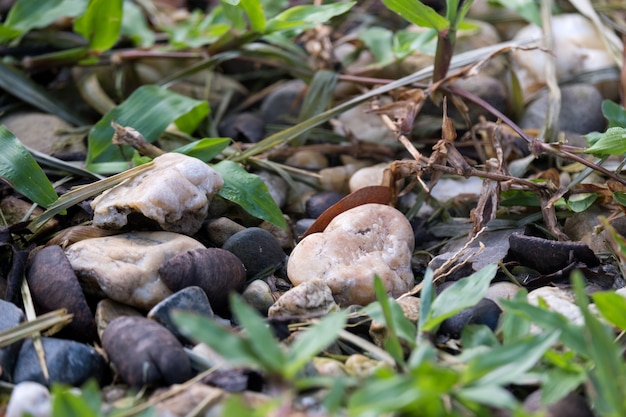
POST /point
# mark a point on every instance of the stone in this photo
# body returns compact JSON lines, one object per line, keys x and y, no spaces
{"x":258,"y":249}
{"x":29,"y":397}
{"x":10,"y":316}
{"x":368,"y":240}
{"x":192,"y":299}
{"x":145,"y":353}
{"x":69,"y":362}
{"x":581,"y":110}
{"x":368,"y":176}
{"x":282,"y":105}
{"x":187,"y":401}
{"x":311,"y":298}
{"x":484,"y":312}
{"x":501,"y":291}
{"x":320,"y":202}
{"x":53,"y":285}
{"x":108,"y":310}
{"x":258,"y":295}
{"x":578,"y":48}
{"x":276,"y":186}
{"x":243,"y":127}
{"x":308,"y":159}
{"x":558,"y":300}
{"x":284,"y":237}
{"x":175,"y":194}
{"x":361,"y":124}
{"x":572,"y":405}
{"x":217,"y":272}
{"x":125,"y":267}
{"x":220,"y":229}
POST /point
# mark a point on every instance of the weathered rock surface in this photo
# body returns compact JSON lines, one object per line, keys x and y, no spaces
{"x":175,"y":194}
{"x":10,"y":316}
{"x":29,"y":397}
{"x":68,"y":362}
{"x":125,"y":267}
{"x":372,"y":239}
{"x":145,"y":353}
{"x":217,"y":271}
{"x":310,"y":298}
{"x":53,"y":285}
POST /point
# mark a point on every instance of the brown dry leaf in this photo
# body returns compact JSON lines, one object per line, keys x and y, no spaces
{"x":375,"y":194}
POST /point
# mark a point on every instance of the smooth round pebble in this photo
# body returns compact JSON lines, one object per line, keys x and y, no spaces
{"x":320,"y":202}
{"x":484,"y":312}
{"x":258,"y":295}
{"x":501,"y":291}
{"x":10,"y":316}
{"x":145,"y":353}
{"x":108,"y":310}
{"x":29,"y":397}
{"x":258,"y":249}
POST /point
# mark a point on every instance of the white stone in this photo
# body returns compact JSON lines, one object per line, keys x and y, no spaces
{"x":175,"y":193}
{"x":368,"y":240}
{"x":125,"y":267}
{"x":29,"y":397}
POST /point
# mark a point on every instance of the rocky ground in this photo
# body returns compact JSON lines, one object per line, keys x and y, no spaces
{"x":471,"y":188}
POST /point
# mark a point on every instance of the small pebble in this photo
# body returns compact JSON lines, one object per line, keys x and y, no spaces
{"x":258,"y":295}
{"x":10,"y":316}
{"x":309,"y":299}
{"x":258,"y":249}
{"x":320,"y":202}
{"x":29,"y":398}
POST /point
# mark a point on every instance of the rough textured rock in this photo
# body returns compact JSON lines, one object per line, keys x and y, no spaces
{"x":125,"y":267}
{"x":258,"y":249}
{"x":10,"y":316}
{"x":29,"y":397}
{"x":145,"y":353}
{"x":581,"y":110}
{"x":192,"y":299}
{"x":175,"y":194}
{"x":68,"y":362}
{"x":53,"y":285}
{"x":217,"y":271}
{"x":311,"y":298}
{"x":368,"y":240}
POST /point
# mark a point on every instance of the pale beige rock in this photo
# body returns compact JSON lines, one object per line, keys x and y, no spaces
{"x":125,"y":267}
{"x":361,"y":366}
{"x":308,"y":159}
{"x":108,"y":310}
{"x":558,"y":300}
{"x":501,"y":291}
{"x":310,"y":298}
{"x":175,"y":194}
{"x":368,"y":176}
{"x":372,"y":239}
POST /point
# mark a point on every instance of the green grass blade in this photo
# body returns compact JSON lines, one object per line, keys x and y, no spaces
{"x":19,"y":169}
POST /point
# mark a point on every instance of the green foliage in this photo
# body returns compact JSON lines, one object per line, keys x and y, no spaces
{"x":100,"y":24}
{"x":256,"y":346}
{"x":19,"y":169}
{"x":611,"y":142}
{"x":418,"y":13}
{"x":149,"y":110}
{"x":528,"y":9}
{"x":250,"y":192}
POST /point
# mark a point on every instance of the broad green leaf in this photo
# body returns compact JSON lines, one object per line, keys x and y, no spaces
{"x":260,"y":337}
{"x":303,"y":17}
{"x":230,"y":345}
{"x":608,"y":374}
{"x":379,"y":41}
{"x":273,"y":7}
{"x":492,"y":395}
{"x":426,"y":300}
{"x":505,"y":364}
{"x":418,"y":13}
{"x":557,"y":383}
{"x":528,"y":9}
{"x":204,"y":149}
{"x":101,"y":24}
{"x":462,"y":294}
{"x":250,"y":192}
{"x":19,"y":169}
{"x":612,"y":306}
{"x":515,"y":326}
{"x":135,"y":26}
{"x":67,"y":403}
{"x":149,"y":110}
{"x":614,"y":113}
{"x":34,"y":14}
{"x":406,"y":42}
{"x":256,"y":16}
{"x":313,"y":340}
{"x":611,"y":142}
{"x":581,"y":202}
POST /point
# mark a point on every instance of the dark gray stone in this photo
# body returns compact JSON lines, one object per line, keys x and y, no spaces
{"x":319,"y":202}
{"x":282,"y":105}
{"x":258,"y":249}
{"x":192,"y":299}
{"x":581,"y":110}
{"x":68,"y":362}
{"x":10,"y":316}
{"x":145,"y":353}
{"x":484,"y":312}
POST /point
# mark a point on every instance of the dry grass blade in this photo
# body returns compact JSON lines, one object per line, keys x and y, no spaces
{"x":30,"y":328}
{"x":29,"y":308}
{"x":86,"y":191}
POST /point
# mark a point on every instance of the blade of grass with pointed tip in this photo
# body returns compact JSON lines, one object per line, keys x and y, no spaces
{"x":19,"y":169}
{"x":101,"y":24}
{"x":149,"y":110}
{"x":204,"y":149}
{"x":317,"y":99}
{"x":17,"y":84}
{"x":289,"y":134}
